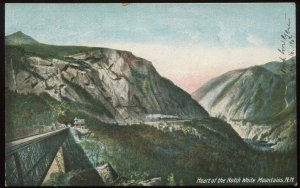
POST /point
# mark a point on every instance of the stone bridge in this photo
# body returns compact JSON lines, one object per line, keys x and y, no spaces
{"x":28,"y":160}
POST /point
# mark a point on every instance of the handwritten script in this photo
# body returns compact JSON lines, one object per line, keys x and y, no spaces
{"x":287,"y":42}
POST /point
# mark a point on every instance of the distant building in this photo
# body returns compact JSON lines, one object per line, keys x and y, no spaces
{"x":79,"y":123}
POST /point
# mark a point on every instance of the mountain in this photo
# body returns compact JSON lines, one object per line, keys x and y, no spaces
{"x":259,"y":102}
{"x":49,"y":84}
{"x":112,"y":85}
{"x":19,"y":38}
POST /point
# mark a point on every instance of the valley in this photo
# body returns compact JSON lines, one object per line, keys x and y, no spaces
{"x":259,"y":102}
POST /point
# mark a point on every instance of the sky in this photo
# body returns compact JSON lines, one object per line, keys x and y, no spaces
{"x":187,"y":43}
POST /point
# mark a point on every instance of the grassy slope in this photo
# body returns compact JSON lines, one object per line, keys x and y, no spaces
{"x":24,"y":111}
{"x":140,"y":152}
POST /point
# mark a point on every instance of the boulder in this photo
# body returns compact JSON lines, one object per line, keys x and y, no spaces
{"x":151,"y":182}
{"x":59,"y":64}
{"x":47,"y":128}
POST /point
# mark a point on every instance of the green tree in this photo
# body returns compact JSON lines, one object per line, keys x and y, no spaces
{"x":171,"y":180}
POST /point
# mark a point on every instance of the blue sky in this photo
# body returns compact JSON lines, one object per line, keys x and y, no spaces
{"x":161,"y":32}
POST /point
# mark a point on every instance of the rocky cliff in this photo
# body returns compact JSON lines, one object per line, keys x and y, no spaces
{"x":126,"y":88}
{"x":259,"y":102}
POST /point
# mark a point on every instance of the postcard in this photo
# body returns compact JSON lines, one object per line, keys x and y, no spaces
{"x":124,"y":94}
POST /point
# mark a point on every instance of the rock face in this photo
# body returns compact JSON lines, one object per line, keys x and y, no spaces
{"x":86,"y":177}
{"x":102,"y":175}
{"x":124,"y":86}
{"x":107,"y":173}
{"x":259,"y":102}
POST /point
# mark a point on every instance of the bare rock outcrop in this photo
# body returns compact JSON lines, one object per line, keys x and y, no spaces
{"x":125,"y":87}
